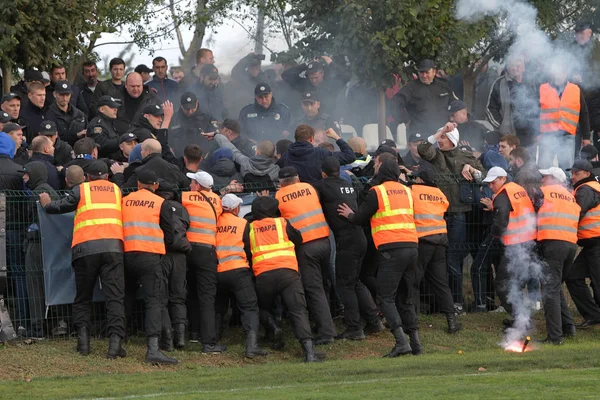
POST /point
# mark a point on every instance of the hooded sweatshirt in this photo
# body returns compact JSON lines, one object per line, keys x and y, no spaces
{"x":38,"y":178}
{"x":258,"y":165}
{"x":308,"y":159}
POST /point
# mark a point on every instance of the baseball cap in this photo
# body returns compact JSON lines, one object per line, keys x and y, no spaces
{"x":188,"y":100}
{"x":33,"y":75}
{"x":310,"y":96}
{"x":153,"y":109}
{"x":209,"y":70}
{"x":127,"y":137}
{"x":11,"y":126}
{"x":97,"y":168}
{"x":456,"y":105}
{"x":146,"y":176}
{"x":48,"y":128}
{"x":62,"y":87}
{"x":262,"y":88}
{"x":287,"y":172}
{"x":9,"y":96}
{"x":204,"y":179}
{"x":107,"y":100}
{"x":45,"y":77}
{"x":582,"y":165}
{"x":330,"y":165}
{"x":415,"y":137}
{"x":493,"y":173}
{"x":385,"y":149}
{"x":426,"y":65}
{"x":582,"y":25}
{"x":389,"y":143}
{"x":142,"y":68}
{"x":230,"y":201}
{"x":314,"y":66}
{"x":4,"y":117}
{"x":556,"y":172}
{"x":588,"y":152}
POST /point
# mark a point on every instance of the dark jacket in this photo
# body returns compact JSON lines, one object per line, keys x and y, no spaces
{"x":131,"y":112}
{"x":21,"y":89}
{"x":105,"y":88}
{"x":425,"y":106}
{"x":166,"y":89}
{"x":53,"y":175}
{"x":164,"y":169}
{"x":210,"y":101}
{"x":68,"y":123}
{"x":33,"y":117}
{"x":102,"y":129}
{"x":11,"y":178}
{"x":144,"y":130}
{"x":223,"y":172}
{"x":175,"y":228}
{"x":38,"y":178}
{"x":185,"y":130}
{"x":321,"y":122}
{"x":76,"y":100}
{"x":473,"y":132}
{"x":448,"y":167}
{"x":259,"y":123}
{"x":333,"y":191}
{"x":22,"y":155}
{"x":63,"y":152}
{"x":83,"y":161}
{"x":86,"y":94}
{"x":363,"y":166}
{"x":68,"y":204}
{"x":502,"y":209}
{"x":335,"y":79}
{"x":587,"y":198}
{"x":307,"y":159}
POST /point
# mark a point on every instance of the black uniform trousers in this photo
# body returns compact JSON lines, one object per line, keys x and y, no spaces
{"x":351,"y":246}
{"x":203,"y":260}
{"x":395,"y":281}
{"x":586,"y":265}
{"x":286,"y":283}
{"x":313,"y":262}
{"x":431,"y":265}
{"x":109,"y":267}
{"x":558,"y":258}
{"x":239,"y":282}
{"x":145,"y":270}
{"x":370,"y":264}
{"x":174,"y":269}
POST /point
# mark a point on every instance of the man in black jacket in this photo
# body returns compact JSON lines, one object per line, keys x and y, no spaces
{"x":15,"y":131}
{"x":32,"y":112}
{"x":89,"y":70}
{"x":110,"y":87}
{"x":102,"y":127}
{"x":188,"y":124}
{"x":43,"y":150}
{"x":70,"y":121}
{"x":209,"y":93}
{"x":136,"y":97}
{"x":63,"y":152}
{"x":85,"y":151}
{"x":265,"y":119}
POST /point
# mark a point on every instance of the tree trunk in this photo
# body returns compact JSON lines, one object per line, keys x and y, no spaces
{"x":382,"y":114}
{"x":189,"y":58}
{"x":469,"y":77}
{"x":259,"y":38}
{"x":6,"y":76}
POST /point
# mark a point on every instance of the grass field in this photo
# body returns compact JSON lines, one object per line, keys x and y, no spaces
{"x":52,"y":370}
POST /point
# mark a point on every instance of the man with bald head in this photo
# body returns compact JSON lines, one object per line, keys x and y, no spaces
{"x":135,"y":97}
{"x":152,"y":160}
{"x":363,"y":166}
{"x":43,"y":151}
{"x":74,"y":176}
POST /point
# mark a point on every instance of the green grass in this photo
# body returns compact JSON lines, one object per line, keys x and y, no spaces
{"x":353,"y":369}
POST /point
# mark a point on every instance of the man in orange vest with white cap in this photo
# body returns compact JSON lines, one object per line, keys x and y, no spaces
{"x":144,"y":244}
{"x":234,"y":274}
{"x":558,"y":216}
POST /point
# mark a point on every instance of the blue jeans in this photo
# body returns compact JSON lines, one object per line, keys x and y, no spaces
{"x":17,"y":291}
{"x":456,"y":253}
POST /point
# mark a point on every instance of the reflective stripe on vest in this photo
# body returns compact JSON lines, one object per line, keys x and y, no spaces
{"x":203,"y":225}
{"x":559,"y":113}
{"x":270,"y":246}
{"x":98,"y":214}
{"x":558,"y":217}
{"x":393,"y":222}
{"x":299,"y":204}
{"x":230,"y":242}
{"x":522,"y":225}
{"x":589,"y":226}
{"x":429,"y":205}
{"x":141,"y":222}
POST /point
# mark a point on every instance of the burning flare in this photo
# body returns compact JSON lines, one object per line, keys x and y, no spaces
{"x":518,"y":346}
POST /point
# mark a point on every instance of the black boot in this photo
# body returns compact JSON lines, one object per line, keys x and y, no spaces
{"x":83,"y":341}
{"x":166,"y":340}
{"x":374,"y":327}
{"x":252,"y":349}
{"x":401,"y":347}
{"x":179,"y":336}
{"x":154,"y":355}
{"x":415,"y":343}
{"x":309,"y":351}
{"x":278,"y":342}
{"x":213,"y":348}
{"x":453,"y":326}
{"x":115,"y":348}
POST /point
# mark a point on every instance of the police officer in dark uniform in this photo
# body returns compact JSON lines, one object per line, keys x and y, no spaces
{"x":311,"y":108}
{"x":187,"y":125}
{"x":101,"y":127}
{"x":412,"y":159}
{"x":265,"y":119}
{"x":351,"y":245}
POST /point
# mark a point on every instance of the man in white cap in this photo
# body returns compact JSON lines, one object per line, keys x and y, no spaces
{"x":204,"y":208}
{"x":453,"y":168}
{"x":234,"y":275}
{"x":514,"y":225}
{"x":557,"y":221}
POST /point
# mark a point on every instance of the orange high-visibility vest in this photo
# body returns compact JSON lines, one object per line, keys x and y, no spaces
{"x":98,"y":214}
{"x":521,"y":220}
{"x":299,"y":204}
{"x":430,"y":204}
{"x":394,"y":220}
{"x":271,"y":247}
{"x":203,"y":224}
{"x":558,"y":217}
{"x":141,"y":222}
{"x":559,"y":113}
{"x":589,"y":226}
{"x":230,"y":242}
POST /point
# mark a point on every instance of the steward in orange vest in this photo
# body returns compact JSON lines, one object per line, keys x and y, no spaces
{"x":430,"y":204}
{"x":299,"y":204}
{"x":97,"y":252}
{"x":270,"y":244}
{"x":515,"y":225}
{"x":587,"y":263}
{"x":204,"y":208}
{"x":143,"y":212}
{"x":389,"y":208}
{"x":557,"y":236}
{"x":234,"y":275}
